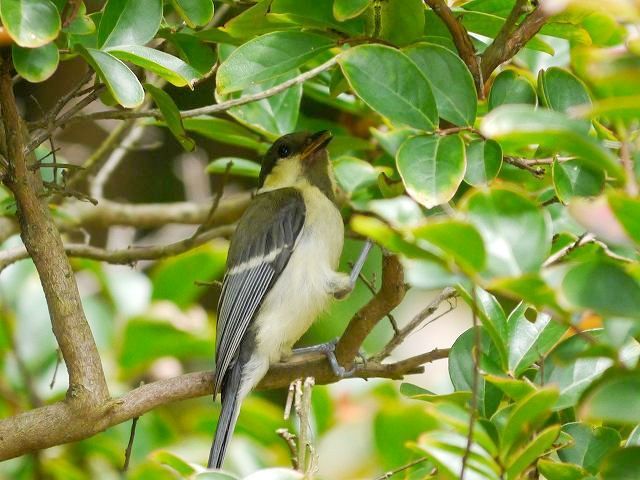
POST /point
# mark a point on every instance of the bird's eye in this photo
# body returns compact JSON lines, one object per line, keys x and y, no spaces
{"x":283,"y":151}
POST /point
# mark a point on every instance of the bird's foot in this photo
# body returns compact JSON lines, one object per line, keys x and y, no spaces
{"x":329,"y":351}
{"x":343,"y":285}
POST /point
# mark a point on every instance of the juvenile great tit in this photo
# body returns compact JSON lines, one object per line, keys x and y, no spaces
{"x":281,"y":272}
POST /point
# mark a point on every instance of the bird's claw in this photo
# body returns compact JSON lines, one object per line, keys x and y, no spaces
{"x":329,"y":351}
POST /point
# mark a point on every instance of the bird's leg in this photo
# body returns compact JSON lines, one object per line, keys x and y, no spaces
{"x":329,"y":351}
{"x":346,"y":284}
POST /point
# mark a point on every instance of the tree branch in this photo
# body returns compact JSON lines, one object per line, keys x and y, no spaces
{"x":57,"y":424}
{"x":461,"y":39}
{"x":87,"y":384}
{"x":390,"y":295}
{"x":127,"y":255}
{"x":511,"y":39}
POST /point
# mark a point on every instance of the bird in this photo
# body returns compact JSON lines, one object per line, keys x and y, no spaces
{"x":281,"y":273}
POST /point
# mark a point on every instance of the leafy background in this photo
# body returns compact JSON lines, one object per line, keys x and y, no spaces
{"x":524,"y":197}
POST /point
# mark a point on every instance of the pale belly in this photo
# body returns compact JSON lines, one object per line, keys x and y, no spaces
{"x":304,"y":288}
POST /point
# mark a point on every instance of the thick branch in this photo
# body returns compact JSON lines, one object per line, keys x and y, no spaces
{"x":56,"y":424}
{"x":41,"y":237}
{"x":507,"y":44}
{"x":460,"y":38}
{"x":390,"y":295}
{"x":126,"y":255}
{"x":151,"y":215}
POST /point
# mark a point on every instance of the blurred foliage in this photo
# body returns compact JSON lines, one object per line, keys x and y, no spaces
{"x":491,"y":195}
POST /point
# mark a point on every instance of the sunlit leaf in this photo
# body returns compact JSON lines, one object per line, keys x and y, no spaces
{"x":129,"y":22}
{"x":31,"y":23}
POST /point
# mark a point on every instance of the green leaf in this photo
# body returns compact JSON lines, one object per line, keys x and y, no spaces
{"x":267,"y":57}
{"x":398,"y":212}
{"x":30,"y":23}
{"x":501,"y":216}
{"x":171,"y":115}
{"x":399,"y":22}
{"x":239,"y":167}
{"x":613,"y":399}
{"x":591,"y":445}
{"x":196,"y":13}
{"x":432,"y":167}
{"x":418,"y":393}
{"x":195,"y":53}
{"x":347,"y":9}
{"x":137,"y":352}
{"x":121,"y":82}
{"x":35,"y":64}
{"x":447,"y":449}
{"x":450,"y":80}
{"x":517,"y":126}
{"x":622,"y":464}
{"x":527,"y":416}
{"x":602,"y":286}
{"x":171,"y":68}
{"x":203,"y":264}
{"x":456,"y":239}
{"x":560,"y":90}
{"x":515,"y":389}
{"x":461,"y":371}
{"x":174,"y":461}
{"x":561,"y":471}
{"x":509,"y":87}
{"x":634,"y":438}
{"x":256,"y":20}
{"x":224,"y":131}
{"x":572,"y":178}
{"x":573,"y":377}
{"x":129,"y":22}
{"x":316,"y":15}
{"x":528,"y":454}
{"x":493,"y":320}
{"x":407,"y":99}
{"x":82,"y":24}
{"x":273,"y":116}
{"x":627,"y":212}
{"x":529,"y":340}
{"x":353,"y":173}
{"x":484,"y":160}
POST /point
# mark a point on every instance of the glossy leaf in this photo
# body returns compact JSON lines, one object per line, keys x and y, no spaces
{"x":352,"y":173}
{"x":35,"y":64}
{"x":316,"y":15}
{"x":346,"y":9}
{"x":431,"y":167}
{"x":605,"y":399}
{"x":30,"y":23}
{"x":267,"y":57}
{"x":195,"y":13}
{"x":509,"y":87}
{"x":528,"y":414}
{"x":561,"y":471}
{"x":461,"y":371}
{"x":121,"y":82}
{"x":171,"y":68}
{"x":622,"y":464}
{"x":239,"y":167}
{"x":515,"y":389}
{"x":529,"y":340}
{"x":373,"y":71}
{"x":450,"y":80}
{"x":129,"y":22}
{"x":456,"y":239}
{"x":224,"y":131}
{"x":572,"y":178}
{"x":171,"y":115}
{"x":528,"y":454}
{"x":194,"y":52}
{"x":399,"y":22}
{"x":560,"y":90}
{"x":602,"y":286}
{"x":501,"y":215}
{"x":518,"y":126}
{"x":591,"y":445}
{"x":484,"y":160}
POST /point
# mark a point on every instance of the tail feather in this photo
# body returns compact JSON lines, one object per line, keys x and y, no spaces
{"x":228,"y":416}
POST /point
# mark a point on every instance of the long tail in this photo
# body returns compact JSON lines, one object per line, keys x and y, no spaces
{"x":228,"y":416}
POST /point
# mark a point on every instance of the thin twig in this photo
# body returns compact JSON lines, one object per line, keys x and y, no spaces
{"x":218,"y":107}
{"x":129,"y":449}
{"x":216,"y":200}
{"x":55,"y":370}
{"x":290,"y":440}
{"x":401,"y":469}
{"x":476,"y":354}
{"x":445,"y":295}
{"x":525,"y":165}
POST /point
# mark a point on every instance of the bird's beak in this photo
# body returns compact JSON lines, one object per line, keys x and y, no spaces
{"x":317,"y":141}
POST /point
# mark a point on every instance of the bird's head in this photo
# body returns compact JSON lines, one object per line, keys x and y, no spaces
{"x":296,"y":157}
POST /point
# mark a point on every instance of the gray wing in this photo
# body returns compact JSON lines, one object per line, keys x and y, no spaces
{"x":260,"y":249}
